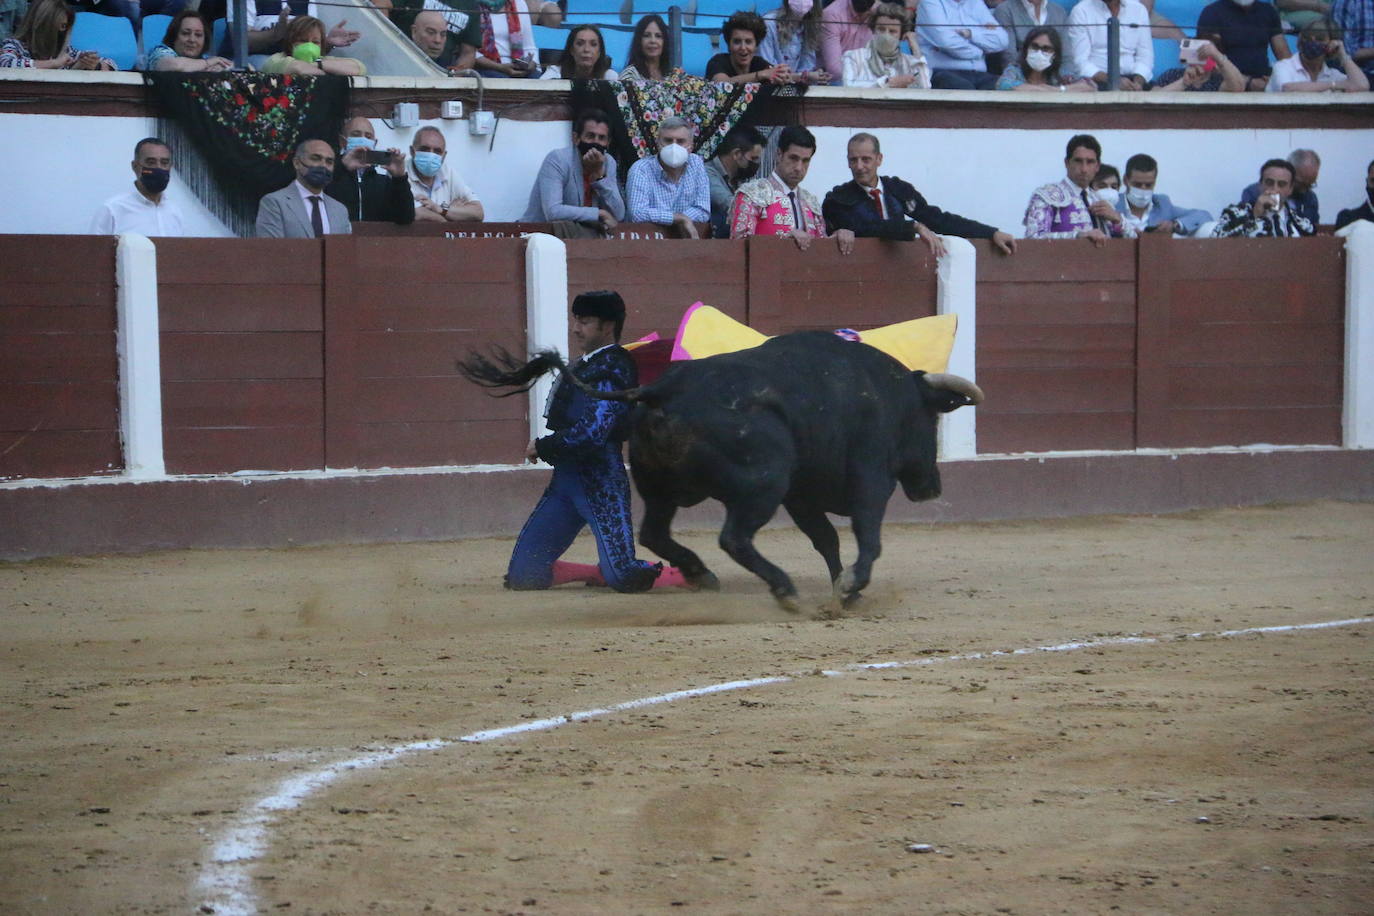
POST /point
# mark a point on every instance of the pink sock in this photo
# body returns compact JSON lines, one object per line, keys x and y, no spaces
{"x":577,"y":572}
{"x":671,"y":577}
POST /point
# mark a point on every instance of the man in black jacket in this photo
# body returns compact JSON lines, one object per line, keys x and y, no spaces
{"x":1364,"y":210}
{"x":370,"y":195}
{"x":889,"y":208}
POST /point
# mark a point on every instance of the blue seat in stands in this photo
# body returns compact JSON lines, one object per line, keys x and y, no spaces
{"x":153,"y":28}
{"x":617,"y":45}
{"x":1166,"y":55}
{"x":696,"y":51}
{"x":550,"y":39}
{"x":112,"y":36}
{"x":597,"y":12}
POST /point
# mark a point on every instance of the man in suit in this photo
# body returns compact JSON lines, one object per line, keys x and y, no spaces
{"x":889,"y":208}
{"x":302,"y":210}
{"x":1147,"y":211}
{"x":576,"y":187}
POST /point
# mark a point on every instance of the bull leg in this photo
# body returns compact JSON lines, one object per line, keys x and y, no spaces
{"x":817,"y":527}
{"x":867,"y":524}
{"x":655,"y":534}
{"x":742,"y":522}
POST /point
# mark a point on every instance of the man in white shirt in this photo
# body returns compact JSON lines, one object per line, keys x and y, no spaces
{"x":1088,"y":42}
{"x":440,"y":193}
{"x":954,"y":36}
{"x":144,"y":210}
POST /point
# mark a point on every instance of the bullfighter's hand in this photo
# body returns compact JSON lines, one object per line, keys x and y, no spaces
{"x":531,"y":453}
{"x":802,"y":238}
{"x":937,"y":246}
{"x":845,"y":239}
{"x":1099,"y":238}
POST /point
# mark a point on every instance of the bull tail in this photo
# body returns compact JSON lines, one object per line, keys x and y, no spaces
{"x":504,"y":370}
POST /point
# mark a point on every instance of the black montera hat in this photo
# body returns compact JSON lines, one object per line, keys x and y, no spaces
{"x":605,"y":304}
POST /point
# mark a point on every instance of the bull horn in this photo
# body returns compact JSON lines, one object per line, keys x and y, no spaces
{"x":957,"y":384}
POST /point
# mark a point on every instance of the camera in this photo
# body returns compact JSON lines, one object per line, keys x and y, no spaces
{"x":379,"y":157}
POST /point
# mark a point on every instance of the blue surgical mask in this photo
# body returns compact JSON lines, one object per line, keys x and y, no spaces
{"x":352,"y":143}
{"x":427,"y":163}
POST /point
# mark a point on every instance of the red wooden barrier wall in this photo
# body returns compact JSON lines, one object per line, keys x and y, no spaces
{"x":242,"y":329}
{"x":1241,"y":344}
{"x":1056,"y":346}
{"x":59,"y":390}
{"x":660,"y":279}
{"x":399,"y":315}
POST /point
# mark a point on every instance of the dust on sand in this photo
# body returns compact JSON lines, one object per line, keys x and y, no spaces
{"x":149,"y":699}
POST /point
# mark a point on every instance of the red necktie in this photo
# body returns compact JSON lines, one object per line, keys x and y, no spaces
{"x":877,"y":195}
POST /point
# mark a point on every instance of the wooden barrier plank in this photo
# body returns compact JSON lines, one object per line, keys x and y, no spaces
{"x":1207,"y":300}
{"x":59,"y":405}
{"x":1240,"y":426}
{"x":210,"y":262}
{"x":1284,"y":260}
{"x":1057,"y":432}
{"x":248,"y":307}
{"x":58,"y":296}
{"x":448,"y":443}
{"x":432,"y":400}
{"x":485,"y":308}
{"x":1268,"y":344}
{"x":1078,"y":302}
{"x":1033,"y":346}
{"x":342,"y":352}
{"x":227,"y":450}
{"x":409,"y":354}
{"x":1061,"y":260}
{"x":60,"y":453}
{"x":463,"y":261}
{"x":77,"y":319}
{"x":281,"y":354}
{"x":1056,"y":390}
{"x":243,"y":402}
{"x":1253,"y":387}
{"x":57,"y":357}
{"x":56,"y":260}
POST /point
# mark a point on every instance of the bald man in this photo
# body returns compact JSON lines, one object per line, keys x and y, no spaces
{"x":448,"y":37}
{"x":371,"y":192}
{"x":302,"y":210}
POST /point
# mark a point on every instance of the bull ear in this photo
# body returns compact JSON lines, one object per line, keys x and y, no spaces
{"x":944,"y":393}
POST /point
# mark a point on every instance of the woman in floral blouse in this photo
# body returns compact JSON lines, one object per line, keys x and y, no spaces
{"x":183,"y":47}
{"x":42,"y":41}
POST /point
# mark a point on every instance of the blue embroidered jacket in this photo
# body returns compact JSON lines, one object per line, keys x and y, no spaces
{"x":584,"y":427}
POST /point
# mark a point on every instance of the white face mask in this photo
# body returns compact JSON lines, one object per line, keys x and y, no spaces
{"x":1139,"y":197}
{"x":1243,"y":3}
{"x":673,"y":156}
{"x":1039,"y":61}
{"x":1110,"y":195}
{"x":885,"y":44}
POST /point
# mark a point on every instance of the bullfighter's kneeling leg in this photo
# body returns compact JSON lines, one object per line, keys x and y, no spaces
{"x":605,"y":504}
{"x":548,"y":533}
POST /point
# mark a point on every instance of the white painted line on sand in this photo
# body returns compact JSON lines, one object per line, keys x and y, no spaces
{"x":224,"y":884}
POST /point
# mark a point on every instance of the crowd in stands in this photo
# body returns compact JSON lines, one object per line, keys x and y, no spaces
{"x":577,"y":193}
{"x":917,"y":44}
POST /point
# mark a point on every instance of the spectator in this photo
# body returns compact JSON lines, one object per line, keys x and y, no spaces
{"x":1356,"y":17}
{"x":433,"y":33}
{"x":1272,"y":214}
{"x":1364,"y":210}
{"x":1040,"y":65}
{"x":269,"y":21}
{"x":955,"y":34}
{"x":1299,"y":14}
{"x":508,"y":47}
{"x":1019,"y":17}
{"x":368,"y":194}
{"x":1146,"y":211}
{"x":1213,"y":73}
{"x":42,"y":41}
{"x":882,"y":62}
{"x":576,"y":186}
{"x":778,"y":205}
{"x":1088,"y":42}
{"x":440,"y":195}
{"x":793,"y":40}
{"x":844,"y":27}
{"x":1319,"y":42}
{"x":741,"y":63}
{"x":671,"y":189}
{"x":1307,"y":166}
{"x":1245,"y":32}
{"x":184,"y":47}
{"x":146,"y":209}
{"x":1070,"y":209}
{"x":736,"y":161}
{"x":650,"y":58}
{"x":11,"y":12}
{"x":584,"y":57}
{"x":302,"y":210}
{"x":870,"y":206}
{"x":305,"y":53}
{"x":1107,"y":183}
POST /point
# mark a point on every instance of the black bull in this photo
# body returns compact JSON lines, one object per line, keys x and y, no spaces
{"x":807,"y":421}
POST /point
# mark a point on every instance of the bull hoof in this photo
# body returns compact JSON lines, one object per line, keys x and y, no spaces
{"x":788,"y":602}
{"x":850,"y":600}
{"x":704,"y":581}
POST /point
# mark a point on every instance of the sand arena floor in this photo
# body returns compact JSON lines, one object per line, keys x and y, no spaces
{"x":162,"y":709}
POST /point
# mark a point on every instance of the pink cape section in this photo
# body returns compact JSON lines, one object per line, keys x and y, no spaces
{"x":678,"y":352}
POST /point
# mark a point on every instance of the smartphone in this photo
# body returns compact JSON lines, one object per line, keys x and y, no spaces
{"x":379,"y":157}
{"x":1188,"y":49}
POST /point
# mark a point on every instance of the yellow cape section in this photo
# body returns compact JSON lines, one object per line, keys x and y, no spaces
{"x":922,"y":343}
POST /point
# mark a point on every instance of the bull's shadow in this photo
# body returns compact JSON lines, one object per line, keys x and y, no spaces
{"x":807,"y":421}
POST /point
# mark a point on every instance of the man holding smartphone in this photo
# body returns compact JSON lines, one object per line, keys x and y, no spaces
{"x":369,"y":182}
{"x":1271,"y":215}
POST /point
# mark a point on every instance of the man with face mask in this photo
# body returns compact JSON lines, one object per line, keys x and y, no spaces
{"x":1302,"y":196}
{"x":1071,"y":209}
{"x":1321,"y":64}
{"x":302,"y":210}
{"x":1147,"y":211}
{"x":844,"y":27}
{"x":670,"y":189}
{"x":145,"y":209}
{"x":440,"y":193}
{"x":576,"y":187}
{"x":735,"y":162}
{"x":372,"y":193}
{"x":1364,"y":210}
